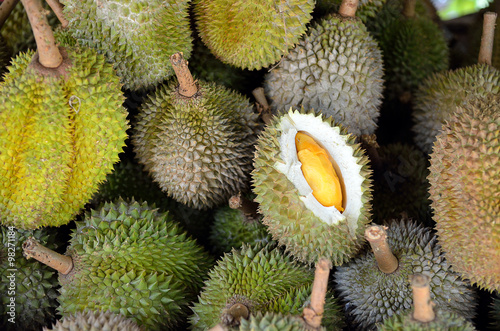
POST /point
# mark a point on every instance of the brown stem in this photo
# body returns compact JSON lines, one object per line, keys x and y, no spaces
{"x":33,"y":249}
{"x":348,"y":8}
{"x":377,"y":237}
{"x":246,"y":206}
{"x":369,"y":143}
{"x":423,"y":311}
{"x":314,"y":313}
{"x":57,"y":8}
{"x":218,"y":327}
{"x":262,"y":105}
{"x":409,"y":8}
{"x":6,"y":8}
{"x":486,"y":48}
{"x":187,"y":84}
{"x":233,"y":315}
{"x":50,"y":56}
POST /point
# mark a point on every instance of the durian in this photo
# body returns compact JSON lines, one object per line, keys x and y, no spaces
{"x":335,"y":69}
{"x":294,"y":217}
{"x":136,"y":36}
{"x":251,"y":34}
{"x":196,"y":139}
{"x":94,"y":320}
{"x":375,"y":284}
{"x":130,"y":259}
{"x":464,"y":190}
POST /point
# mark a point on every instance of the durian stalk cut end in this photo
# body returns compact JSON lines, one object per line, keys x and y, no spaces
{"x":423,"y":306}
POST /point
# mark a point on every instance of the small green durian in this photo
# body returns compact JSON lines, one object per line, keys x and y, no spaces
{"x":94,"y":321}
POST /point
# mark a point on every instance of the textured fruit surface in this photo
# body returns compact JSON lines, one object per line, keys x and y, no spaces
{"x":375,"y":296}
{"x":130,"y":259}
{"x":292,"y":214}
{"x":465,"y":180}
{"x":199,"y":149}
{"x":444,"y":321}
{"x":336,"y":69}
{"x":270,"y":321}
{"x":93,"y":321}
{"x":138,"y":37}
{"x":32,"y":285}
{"x":59,"y":137}
{"x":251,"y":34}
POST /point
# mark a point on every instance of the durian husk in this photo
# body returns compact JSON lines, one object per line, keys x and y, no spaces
{"x":444,"y":321}
{"x":94,"y":320}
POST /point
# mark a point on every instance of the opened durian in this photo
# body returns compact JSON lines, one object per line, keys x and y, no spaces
{"x":94,"y":321}
{"x":464,"y":185}
{"x":130,"y":259}
{"x":308,"y":223}
{"x":336,"y":69}
{"x":238,"y":36}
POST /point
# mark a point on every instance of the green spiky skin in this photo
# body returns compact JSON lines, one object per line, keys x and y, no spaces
{"x":231,"y":228}
{"x":289,"y":221}
{"x":367,"y":9}
{"x":201,"y":153}
{"x":59,"y":138}
{"x":464,"y":178}
{"x":130,"y":259}
{"x":259,"y":276}
{"x":237,"y":36}
{"x":439,"y":95}
{"x":375,"y":296}
{"x":336,"y":69}
{"x":138,"y":37}
{"x":273,"y":322}
{"x":444,"y":321}
{"x":93,"y":321}
{"x":402,"y":185}
{"x":35,"y":289}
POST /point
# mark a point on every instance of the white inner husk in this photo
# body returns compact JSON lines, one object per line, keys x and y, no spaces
{"x":338,"y":149}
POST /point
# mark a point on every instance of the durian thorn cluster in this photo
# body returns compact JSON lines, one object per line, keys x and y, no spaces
{"x":33,"y":249}
{"x":423,"y":306}
{"x":188,"y":86}
{"x":377,"y":237}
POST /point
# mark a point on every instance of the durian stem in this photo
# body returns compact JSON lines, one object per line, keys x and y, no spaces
{"x":422,"y":304}
{"x":377,"y":237}
{"x":33,"y":249}
{"x":246,"y":206}
{"x":187,"y":84}
{"x":409,"y":8}
{"x":369,"y":143}
{"x":262,"y":105}
{"x":5,"y":9}
{"x":218,"y":327}
{"x":348,"y":8}
{"x":314,"y":313}
{"x":49,"y":54}
{"x":487,"y":38}
{"x":57,"y":8}
{"x":234,"y":314}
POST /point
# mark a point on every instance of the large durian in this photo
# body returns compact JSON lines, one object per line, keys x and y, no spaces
{"x":196,"y":139}
{"x":130,"y":259}
{"x":136,"y":36}
{"x":464,"y":188}
{"x":296,"y":219}
{"x":94,"y":321}
{"x":336,"y":69}
{"x":251,"y":34}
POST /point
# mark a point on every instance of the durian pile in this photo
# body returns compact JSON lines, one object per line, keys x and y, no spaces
{"x":247,"y":165}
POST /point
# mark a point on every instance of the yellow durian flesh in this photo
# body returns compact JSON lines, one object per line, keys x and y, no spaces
{"x":319,"y":171}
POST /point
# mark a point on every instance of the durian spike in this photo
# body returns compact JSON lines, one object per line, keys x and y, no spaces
{"x":348,"y":8}
{"x":262,"y":105}
{"x":409,"y":8}
{"x":422,"y":304}
{"x":377,"y":237}
{"x":313,"y":314}
{"x":486,"y":48}
{"x":234,"y":314}
{"x":49,"y":54}
{"x":33,"y":249}
{"x":246,"y":206}
{"x":57,"y":8}
{"x":5,"y":9}
{"x":187,"y":84}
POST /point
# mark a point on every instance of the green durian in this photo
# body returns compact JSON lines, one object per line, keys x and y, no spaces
{"x":464,"y":180}
{"x":133,"y":260}
{"x":367,"y":9}
{"x":335,"y":69}
{"x":374,"y":296}
{"x":198,"y":148}
{"x":292,"y":214}
{"x":270,"y":322}
{"x":93,"y":321}
{"x":28,"y":288}
{"x":62,"y":130}
{"x":237,"y":35}
{"x":138,"y":37}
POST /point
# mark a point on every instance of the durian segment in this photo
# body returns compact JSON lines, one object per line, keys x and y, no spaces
{"x":59,"y":138}
{"x":138,"y":37}
{"x":251,"y":34}
{"x":464,"y":190}
{"x":444,"y":321}
{"x":94,"y":320}
{"x":294,"y":217}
